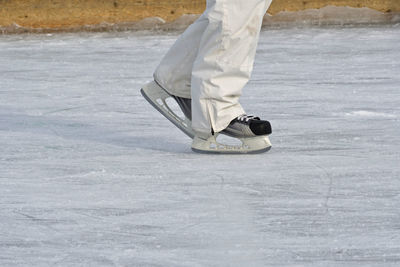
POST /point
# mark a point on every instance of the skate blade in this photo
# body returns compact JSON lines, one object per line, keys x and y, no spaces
{"x":157,"y":96}
{"x":254,"y":145}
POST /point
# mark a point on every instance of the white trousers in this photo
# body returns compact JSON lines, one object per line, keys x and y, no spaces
{"x":212,"y":61}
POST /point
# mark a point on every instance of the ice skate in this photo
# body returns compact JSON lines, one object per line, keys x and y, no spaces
{"x":250,"y":131}
{"x":157,"y":97}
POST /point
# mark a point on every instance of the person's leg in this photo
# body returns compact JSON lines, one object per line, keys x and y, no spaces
{"x":224,"y":61}
{"x":174,"y":73}
{"x":172,"y":77}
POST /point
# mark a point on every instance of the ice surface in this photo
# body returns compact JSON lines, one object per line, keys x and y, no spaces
{"x":92,"y":175}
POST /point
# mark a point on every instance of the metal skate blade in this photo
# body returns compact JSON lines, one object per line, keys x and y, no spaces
{"x":231,"y":152}
{"x":255,"y":145}
{"x":157,"y":96}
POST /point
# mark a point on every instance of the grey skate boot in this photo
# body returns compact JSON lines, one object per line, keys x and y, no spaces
{"x":248,"y":126}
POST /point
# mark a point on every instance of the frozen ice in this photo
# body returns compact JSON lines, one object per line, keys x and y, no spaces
{"x":370,"y":114}
{"x":92,"y":175}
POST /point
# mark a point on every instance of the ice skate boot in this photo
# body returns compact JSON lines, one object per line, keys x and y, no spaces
{"x":157,"y":97}
{"x":249,"y":130}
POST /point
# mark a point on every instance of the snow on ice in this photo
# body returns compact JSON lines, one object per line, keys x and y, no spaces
{"x":92,"y":175}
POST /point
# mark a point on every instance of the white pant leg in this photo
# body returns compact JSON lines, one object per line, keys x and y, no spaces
{"x":174,"y":73}
{"x":224,"y":61}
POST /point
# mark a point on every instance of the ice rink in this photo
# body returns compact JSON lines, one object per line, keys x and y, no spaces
{"x":92,"y":175}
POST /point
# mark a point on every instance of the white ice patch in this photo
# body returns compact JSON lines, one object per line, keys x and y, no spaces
{"x":365,"y":113}
{"x":227,"y":140}
{"x":175,"y":107}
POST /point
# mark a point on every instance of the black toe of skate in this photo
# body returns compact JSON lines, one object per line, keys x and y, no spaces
{"x":259,"y":127}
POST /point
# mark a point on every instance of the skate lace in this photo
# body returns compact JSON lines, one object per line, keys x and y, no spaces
{"x":247,"y":118}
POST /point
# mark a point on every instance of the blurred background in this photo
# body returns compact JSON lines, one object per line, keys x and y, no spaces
{"x":70,"y":15}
